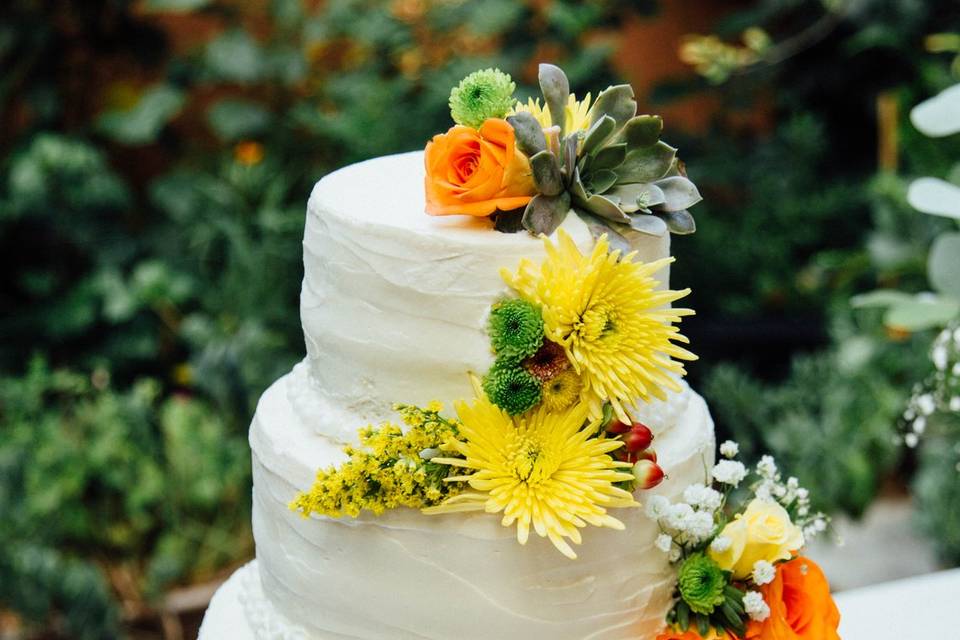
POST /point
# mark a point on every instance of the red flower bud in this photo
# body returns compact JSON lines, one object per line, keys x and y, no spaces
{"x":648,"y":474}
{"x":635,"y":442}
{"x":640,"y":435}
{"x":647,"y":454}
{"x":617,"y":427}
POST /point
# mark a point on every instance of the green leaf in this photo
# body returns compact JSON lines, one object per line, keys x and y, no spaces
{"x":703,"y":624}
{"x":605,"y":208}
{"x":233,"y":119}
{"x":609,"y":157}
{"x":648,"y":224}
{"x":936,"y":197}
{"x":597,"y":134}
{"x":528,"y":133}
{"x":679,"y":193}
{"x":616,"y":102}
{"x":235,"y":56}
{"x":545,"y":213}
{"x":546,"y":173}
{"x":924,"y":311}
{"x":683,"y":615}
{"x":142,"y":123}
{"x":647,"y":164}
{"x":880,"y":298}
{"x":642,"y":131}
{"x":602,"y":180}
{"x":943,"y":266}
{"x":556,"y":91}
{"x":680,"y":223}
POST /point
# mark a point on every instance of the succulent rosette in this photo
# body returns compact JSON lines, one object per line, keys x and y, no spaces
{"x":616,"y":174}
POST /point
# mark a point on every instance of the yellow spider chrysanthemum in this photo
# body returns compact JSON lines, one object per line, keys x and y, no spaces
{"x":610,"y":318}
{"x":577,"y":112}
{"x":542,"y":470}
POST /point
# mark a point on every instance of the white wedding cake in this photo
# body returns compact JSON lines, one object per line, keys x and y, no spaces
{"x":505,"y":293}
{"x":394,"y":307}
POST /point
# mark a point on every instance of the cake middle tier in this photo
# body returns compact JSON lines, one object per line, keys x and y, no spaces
{"x":394,"y":302}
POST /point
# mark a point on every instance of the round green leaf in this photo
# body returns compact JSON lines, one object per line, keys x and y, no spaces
{"x":943,"y":266}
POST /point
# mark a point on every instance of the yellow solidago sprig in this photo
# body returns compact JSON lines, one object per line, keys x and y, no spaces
{"x":391,"y":468}
{"x":608,"y":314}
{"x":543,"y":469}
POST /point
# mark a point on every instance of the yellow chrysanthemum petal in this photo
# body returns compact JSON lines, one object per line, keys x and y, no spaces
{"x":541,"y":470}
{"x":576,"y":112}
{"x":608,"y":314}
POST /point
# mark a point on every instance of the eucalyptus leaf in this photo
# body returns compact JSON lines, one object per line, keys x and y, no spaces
{"x":680,"y":222}
{"x":546,"y":173}
{"x":616,"y":102}
{"x":935,"y":196}
{"x":943,"y":265}
{"x":528,"y":133}
{"x":605,"y":208}
{"x":647,"y":163}
{"x":879,"y":298}
{"x":602,"y":180}
{"x":556,"y":91}
{"x":648,"y":224}
{"x":642,"y":131}
{"x":232,"y":119}
{"x":609,"y":157}
{"x":599,"y":227}
{"x":679,"y":193}
{"x":924,"y":311}
{"x":597,"y":134}
{"x":545,"y":213}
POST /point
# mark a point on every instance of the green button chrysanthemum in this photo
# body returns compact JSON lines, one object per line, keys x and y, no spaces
{"x":482,"y":94}
{"x":701,"y":582}
{"x":511,"y":387}
{"x":516,"y":329}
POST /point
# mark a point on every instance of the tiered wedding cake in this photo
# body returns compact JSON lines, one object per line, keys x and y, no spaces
{"x":396,"y":306}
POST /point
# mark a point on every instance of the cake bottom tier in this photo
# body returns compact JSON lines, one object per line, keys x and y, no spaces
{"x":406,"y":576}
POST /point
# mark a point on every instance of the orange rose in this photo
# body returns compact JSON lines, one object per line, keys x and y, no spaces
{"x":801,"y":607}
{"x":474,"y":173}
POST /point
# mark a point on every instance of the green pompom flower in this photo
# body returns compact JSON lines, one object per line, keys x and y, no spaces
{"x":481,"y":95}
{"x":511,"y":387}
{"x":701,"y":583}
{"x":516,"y":329}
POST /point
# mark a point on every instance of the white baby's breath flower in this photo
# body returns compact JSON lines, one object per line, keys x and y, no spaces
{"x":729,"y":472}
{"x":699,"y":525}
{"x":657,"y":507}
{"x":729,"y":449}
{"x":720,"y":544}
{"x":677,"y":516}
{"x":763,"y":572}
{"x":664,"y":543}
{"x":911,"y":440}
{"x":702,"y":497}
{"x":755,"y":606}
{"x":802,"y":494}
{"x":926,"y":404}
{"x":955,"y":402}
{"x":919,"y":426}
{"x":767,"y":467}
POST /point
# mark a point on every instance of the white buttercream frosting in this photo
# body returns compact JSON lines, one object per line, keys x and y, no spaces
{"x":404,"y":575}
{"x":395,"y":302}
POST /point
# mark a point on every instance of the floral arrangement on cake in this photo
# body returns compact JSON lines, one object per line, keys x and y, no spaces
{"x":551,"y":442}
{"x":740,"y":574}
{"x":527,"y":165}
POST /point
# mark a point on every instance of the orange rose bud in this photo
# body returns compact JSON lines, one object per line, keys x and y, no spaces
{"x":801,"y":607}
{"x":476,"y":173}
{"x":648,"y":474}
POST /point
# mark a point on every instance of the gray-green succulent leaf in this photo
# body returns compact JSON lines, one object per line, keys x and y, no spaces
{"x":599,"y":227}
{"x":547,"y":174}
{"x":646,"y":164}
{"x":679,"y":192}
{"x":528,"y":133}
{"x":545,"y":213}
{"x":556,"y":91}
{"x":642,"y":131}
{"x":650,"y":225}
{"x":680,"y":223}
{"x":598,"y":133}
{"x":616,"y":102}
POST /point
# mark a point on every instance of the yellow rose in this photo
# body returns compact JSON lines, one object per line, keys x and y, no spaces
{"x":763,"y":532}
